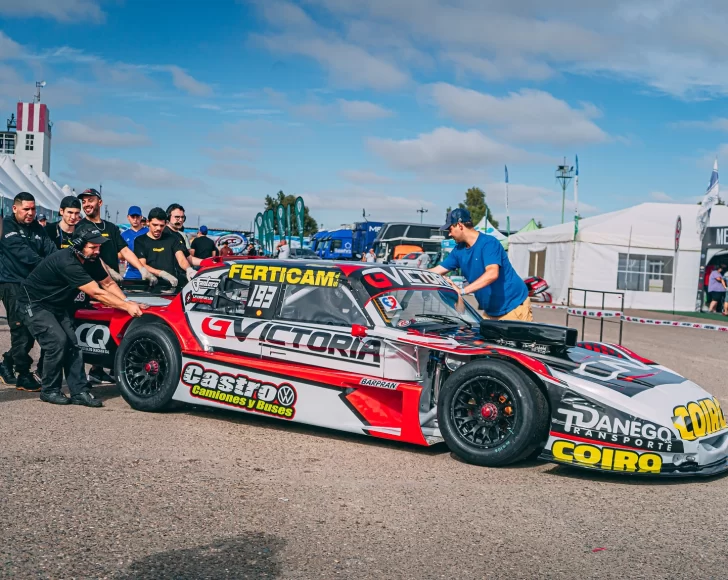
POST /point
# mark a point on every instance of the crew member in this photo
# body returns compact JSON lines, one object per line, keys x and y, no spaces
{"x":92,"y":202}
{"x":176,"y":226}
{"x":225,"y":250}
{"x":203,"y":247}
{"x":500,"y":292}
{"x":42,"y":220}
{"x":61,"y":231}
{"x":44,"y":301}
{"x":24,"y":245}
{"x":135,"y":230}
{"x":284,"y":250}
{"x":162,"y":252}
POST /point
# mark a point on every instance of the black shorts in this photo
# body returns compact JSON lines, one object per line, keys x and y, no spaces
{"x":716,"y":296}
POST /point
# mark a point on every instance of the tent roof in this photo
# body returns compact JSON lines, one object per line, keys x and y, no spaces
{"x":487,"y":228}
{"x":647,"y":225}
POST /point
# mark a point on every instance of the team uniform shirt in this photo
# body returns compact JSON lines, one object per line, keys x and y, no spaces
{"x":129,"y":236}
{"x":203,"y":247}
{"x":161,"y":253}
{"x":22,"y":248}
{"x":59,"y":238}
{"x":507,"y":292}
{"x":109,"y":250}
{"x":54,"y":284}
{"x":182,"y":238}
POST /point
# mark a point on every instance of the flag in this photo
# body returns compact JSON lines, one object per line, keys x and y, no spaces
{"x":710,"y":199}
{"x":576,"y":199}
{"x":508,"y":214}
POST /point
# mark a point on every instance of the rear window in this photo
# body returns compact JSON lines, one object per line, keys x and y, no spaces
{"x":395,"y":231}
{"x":419,"y":232}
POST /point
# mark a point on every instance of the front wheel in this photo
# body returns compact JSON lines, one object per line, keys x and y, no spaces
{"x":491,"y":413}
{"x":148,"y":364}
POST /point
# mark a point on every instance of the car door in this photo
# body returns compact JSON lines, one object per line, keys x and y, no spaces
{"x":313,"y":327}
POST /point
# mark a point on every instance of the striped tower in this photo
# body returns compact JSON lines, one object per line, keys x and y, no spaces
{"x":33,"y":145}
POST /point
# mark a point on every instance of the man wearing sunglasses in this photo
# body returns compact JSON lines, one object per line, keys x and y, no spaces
{"x":499,"y":290}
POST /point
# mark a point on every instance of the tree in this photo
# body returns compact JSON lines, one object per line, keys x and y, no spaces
{"x":539,"y":225}
{"x":475,"y":204}
{"x":310,"y":226}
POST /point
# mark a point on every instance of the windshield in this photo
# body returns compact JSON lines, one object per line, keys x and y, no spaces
{"x":403,"y":308}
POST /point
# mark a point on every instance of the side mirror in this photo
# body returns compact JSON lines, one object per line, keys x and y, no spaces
{"x":358,"y":331}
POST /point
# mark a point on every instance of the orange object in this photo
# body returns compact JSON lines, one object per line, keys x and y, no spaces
{"x":401,"y":251}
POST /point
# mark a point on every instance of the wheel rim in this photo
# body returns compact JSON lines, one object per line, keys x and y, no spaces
{"x":484,"y":412}
{"x":145,"y":367}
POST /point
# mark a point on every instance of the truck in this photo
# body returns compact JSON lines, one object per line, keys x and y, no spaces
{"x":394,"y":234}
{"x":349,"y":242}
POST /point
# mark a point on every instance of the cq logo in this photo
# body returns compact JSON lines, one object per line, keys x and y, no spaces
{"x":94,"y":336}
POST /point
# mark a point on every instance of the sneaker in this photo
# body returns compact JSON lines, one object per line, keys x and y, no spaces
{"x":27,"y":382}
{"x":55,"y":397}
{"x":98,"y":375}
{"x":86,"y":399}
{"x":7,"y":376}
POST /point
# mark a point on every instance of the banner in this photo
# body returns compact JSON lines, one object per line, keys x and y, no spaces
{"x":281,"y":214}
{"x":269,"y":219}
{"x":288,"y":223}
{"x":712,"y":196}
{"x":259,"y":228}
{"x":300,"y":211}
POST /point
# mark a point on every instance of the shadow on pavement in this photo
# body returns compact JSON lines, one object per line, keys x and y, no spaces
{"x":250,"y":556}
{"x":9,"y":394}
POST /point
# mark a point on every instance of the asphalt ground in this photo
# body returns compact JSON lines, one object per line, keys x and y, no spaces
{"x":194,"y":493}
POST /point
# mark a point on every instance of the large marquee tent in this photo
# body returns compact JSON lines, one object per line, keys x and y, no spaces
{"x":630,"y":251}
{"x":14,"y":179}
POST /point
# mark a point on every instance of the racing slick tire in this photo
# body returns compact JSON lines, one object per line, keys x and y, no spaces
{"x":491,"y":413}
{"x":148,"y":364}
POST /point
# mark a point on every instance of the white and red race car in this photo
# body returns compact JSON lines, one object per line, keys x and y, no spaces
{"x":393,"y":352}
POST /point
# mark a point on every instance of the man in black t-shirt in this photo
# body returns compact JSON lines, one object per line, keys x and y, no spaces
{"x":162,"y":252}
{"x":202,"y":246}
{"x":61,"y":231}
{"x":92,"y":202}
{"x":176,"y":219}
{"x":44,"y":301}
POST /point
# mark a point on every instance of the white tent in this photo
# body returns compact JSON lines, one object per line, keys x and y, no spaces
{"x":50,"y":197}
{"x":486,"y":227}
{"x":22,"y":183}
{"x":630,"y":251}
{"x":55,"y":191}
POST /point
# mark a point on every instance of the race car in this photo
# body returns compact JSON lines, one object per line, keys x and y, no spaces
{"x":396,"y":353}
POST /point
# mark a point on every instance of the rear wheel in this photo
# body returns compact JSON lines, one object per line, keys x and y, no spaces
{"x":491,"y":413}
{"x":148,"y":364}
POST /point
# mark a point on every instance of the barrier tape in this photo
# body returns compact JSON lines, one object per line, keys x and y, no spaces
{"x":633,"y":319}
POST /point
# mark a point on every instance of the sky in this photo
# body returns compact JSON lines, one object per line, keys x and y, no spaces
{"x":380,"y":107}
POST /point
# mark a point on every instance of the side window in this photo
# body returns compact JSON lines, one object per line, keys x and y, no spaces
{"x":232,"y":296}
{"x":321,"y":305}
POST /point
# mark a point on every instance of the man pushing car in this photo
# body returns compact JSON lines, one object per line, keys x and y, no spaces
{"x":499,"y":290}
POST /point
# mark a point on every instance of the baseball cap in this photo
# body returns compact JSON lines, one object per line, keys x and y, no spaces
{"x":89,"y":191}
{"x":93,"y":236}
{"x":70,"y":201}
{"x":41,"y":216}
{"x":135,"y":210}
{"x":458,"y":215}
{"x":203,"y":229}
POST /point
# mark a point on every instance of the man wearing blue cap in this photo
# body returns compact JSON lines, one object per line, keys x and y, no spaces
{"x":499,"y":290}
{"x":135,"y":230}
{"x":203,"y":247}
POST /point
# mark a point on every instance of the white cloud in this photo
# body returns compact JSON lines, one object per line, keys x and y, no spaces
{"x":502,"y":68}
{"x":186,"y":82}
{"x":242,"y":172}
{"x":364,"y":177}
{"x":8,"y":47}
{"x":75,"y":132}
{"x":526,"y":116}
{"x":715,"y":124}
{"x":61,"y":10}
{"x":228,"y":154}
{"x":362,"y":110}
{"x":89,"y":169}
{"x":446,"y":147}
{"x":372,"y":200}
{"x":661,"y":196}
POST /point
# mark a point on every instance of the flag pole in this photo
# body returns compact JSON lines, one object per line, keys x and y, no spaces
{"x":576,"y":199}
{"x":508,"y":214}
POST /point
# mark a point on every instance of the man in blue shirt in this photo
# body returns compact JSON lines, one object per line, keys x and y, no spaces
{"x":499,"y":290}
{"x":136,"y":230}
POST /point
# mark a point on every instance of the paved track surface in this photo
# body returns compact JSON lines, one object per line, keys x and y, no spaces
{"x":113,"y":493}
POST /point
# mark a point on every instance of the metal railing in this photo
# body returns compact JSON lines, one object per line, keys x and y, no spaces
{"x":601,"y":319}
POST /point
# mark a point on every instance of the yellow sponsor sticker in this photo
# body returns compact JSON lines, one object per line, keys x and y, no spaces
{"x":284,"y":275}
{"x":698,"y":418}
{"x":605,"y":457}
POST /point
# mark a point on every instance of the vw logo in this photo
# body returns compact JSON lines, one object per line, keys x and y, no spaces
{"x":286,"y":395}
